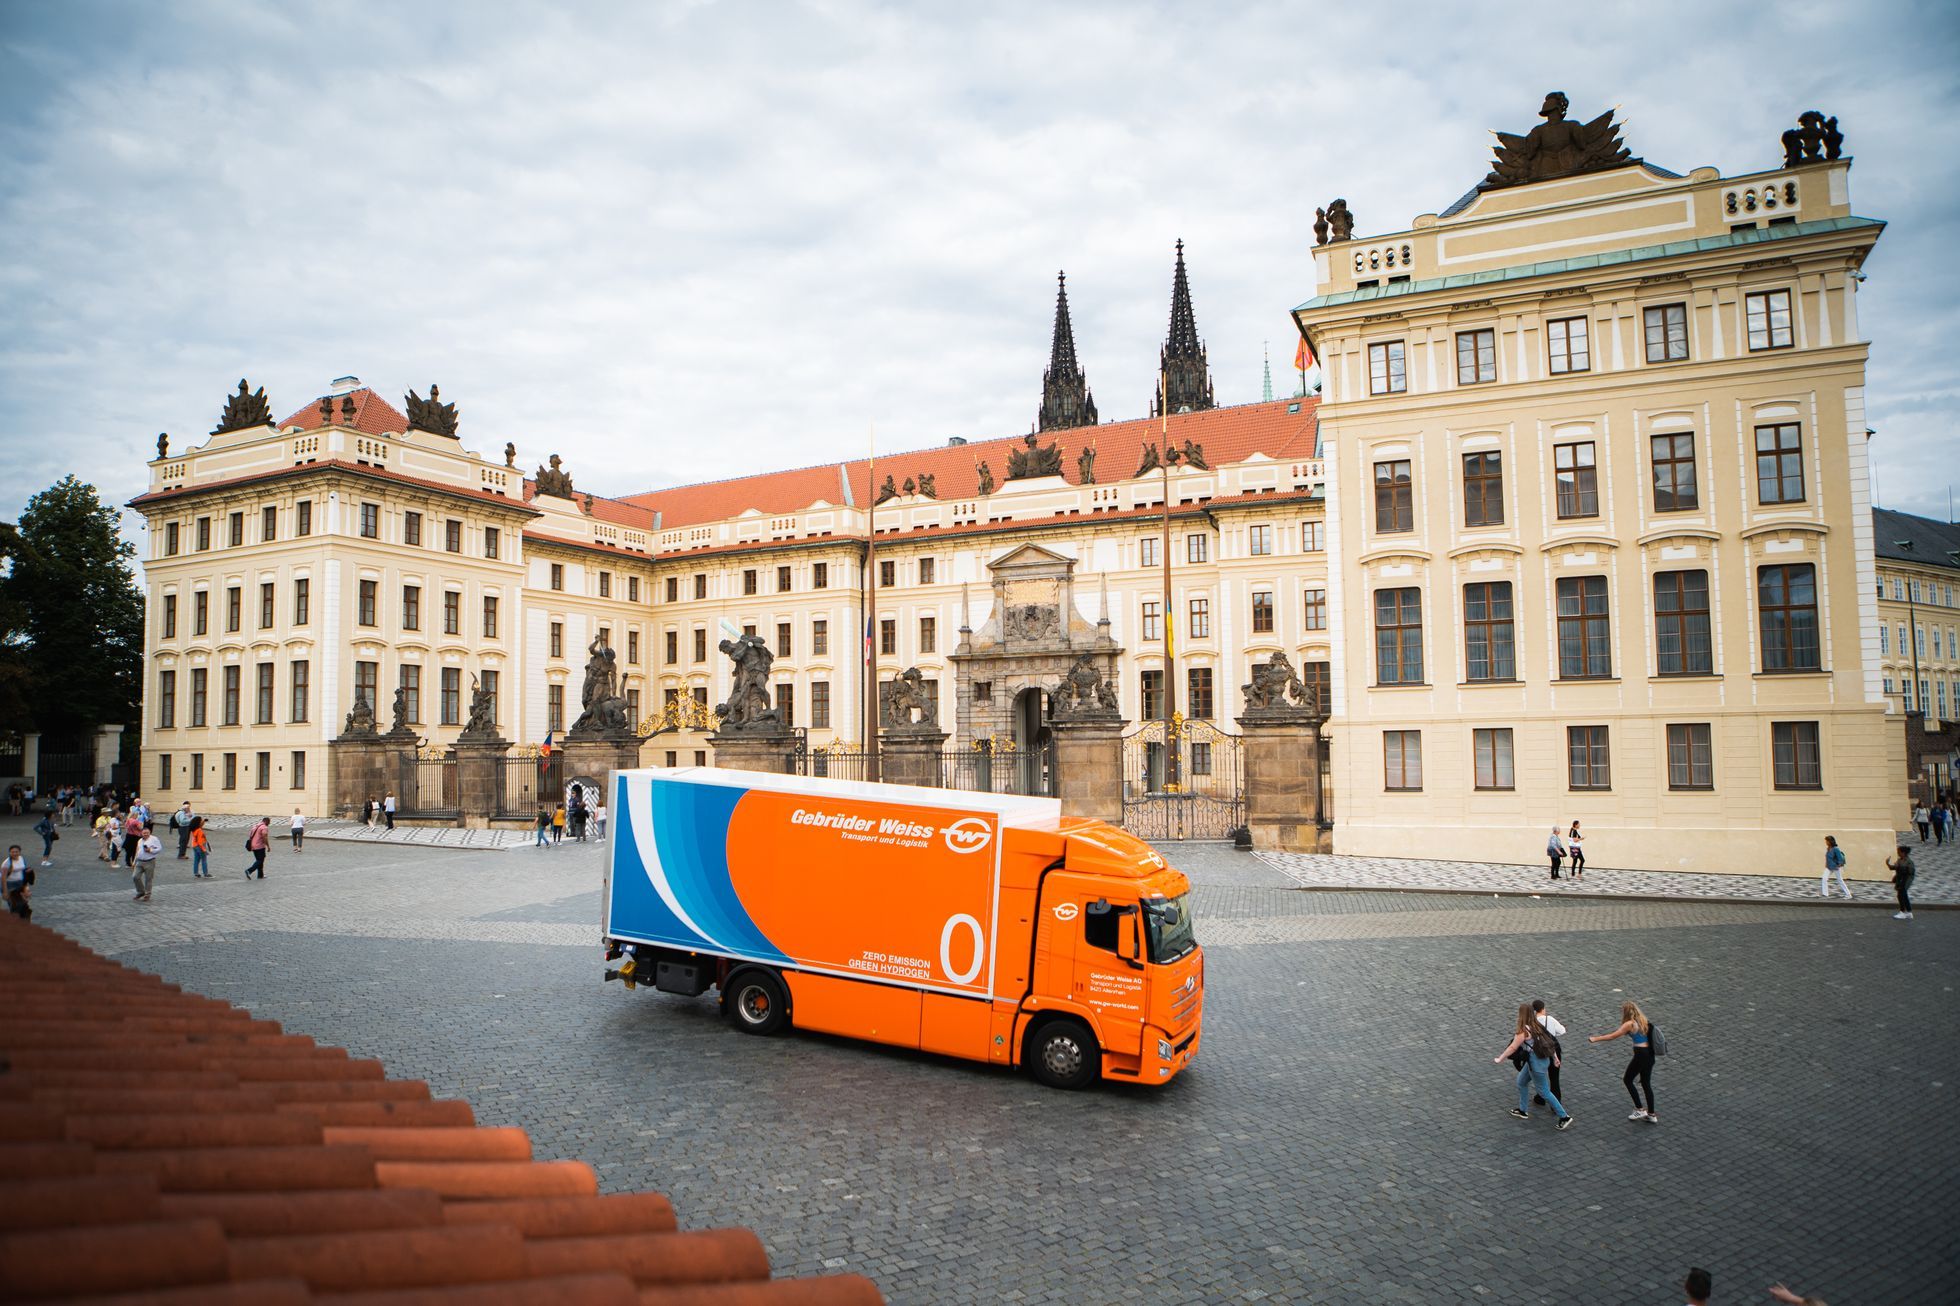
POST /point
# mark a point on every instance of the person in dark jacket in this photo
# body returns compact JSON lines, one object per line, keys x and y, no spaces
{"x":1903,"y":872}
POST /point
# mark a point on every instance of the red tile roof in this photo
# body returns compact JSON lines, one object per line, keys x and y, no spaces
{"x":1228,"y":435}
{"x":160,"y":1146}
{"x":617,"y":511}
{"x":373,"y":415}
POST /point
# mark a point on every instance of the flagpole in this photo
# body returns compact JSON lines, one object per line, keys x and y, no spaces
{"x":869,"y":688}
{"x":1172,"y":771}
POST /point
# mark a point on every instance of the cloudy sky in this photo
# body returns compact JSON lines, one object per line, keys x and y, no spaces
{"x":681,"y":241}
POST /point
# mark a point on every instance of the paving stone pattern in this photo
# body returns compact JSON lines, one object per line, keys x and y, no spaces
{"x":1342,"y":1137}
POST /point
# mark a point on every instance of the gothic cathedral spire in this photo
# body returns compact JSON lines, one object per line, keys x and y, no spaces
{"x":1065,"y":397}
{"x":1185,"y":377}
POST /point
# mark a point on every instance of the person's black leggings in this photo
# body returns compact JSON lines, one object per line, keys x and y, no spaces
{"x":1555,"y":860}
{"x":1641,"y":1068}
{"x":1904,"y":889}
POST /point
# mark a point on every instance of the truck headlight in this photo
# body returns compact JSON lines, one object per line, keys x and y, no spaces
{"x":1164,"y":1051}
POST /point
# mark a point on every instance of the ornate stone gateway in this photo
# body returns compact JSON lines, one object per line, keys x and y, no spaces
{"x":1208,"y":803}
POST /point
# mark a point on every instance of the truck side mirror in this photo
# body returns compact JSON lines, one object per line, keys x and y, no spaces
{"x":1128,"y":946}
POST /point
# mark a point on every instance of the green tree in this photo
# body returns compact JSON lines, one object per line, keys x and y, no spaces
{"x":71,"y":614}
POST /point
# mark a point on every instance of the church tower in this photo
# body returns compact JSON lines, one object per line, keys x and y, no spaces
{"x":1185,"y":379}
{"x":1065,"y":397}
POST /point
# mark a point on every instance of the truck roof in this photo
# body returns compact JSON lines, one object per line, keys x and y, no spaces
{"x":1014,"y":811}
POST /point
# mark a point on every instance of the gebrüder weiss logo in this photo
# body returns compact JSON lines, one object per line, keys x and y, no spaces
{"x":968,"y":835}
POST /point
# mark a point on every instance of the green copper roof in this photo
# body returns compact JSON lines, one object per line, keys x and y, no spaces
{"x":1752,"y":236}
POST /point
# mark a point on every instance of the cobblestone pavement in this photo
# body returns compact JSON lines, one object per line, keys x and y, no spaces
{"x":1936,"y":885}
{"x":431,"y":836}
{"x":1343,"y":1137}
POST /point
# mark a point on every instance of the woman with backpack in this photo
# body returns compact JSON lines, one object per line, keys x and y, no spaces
{"x":1538,"y":1046}
{"x":1833,"y":865}
{"x":1634,"y":1022}
{"x":256,"y":843}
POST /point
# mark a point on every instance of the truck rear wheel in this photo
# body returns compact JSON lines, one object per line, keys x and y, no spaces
{"x":756,"y":1002}
{"x":1064,"y":1054}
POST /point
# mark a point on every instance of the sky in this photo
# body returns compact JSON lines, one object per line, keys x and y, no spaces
{"x":675,"y":242}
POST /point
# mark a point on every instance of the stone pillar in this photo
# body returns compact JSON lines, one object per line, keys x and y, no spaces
{"x":910,"y":756}
{"x":30,"y":757}
{"x":1089,"y":767}
{"x":1282,"y":780}
{"x":745,"y":751}
{"x":361,"y":767}
{"x":600,"y":757}
{"x":479,"y":772}
{"x":108,"y":751}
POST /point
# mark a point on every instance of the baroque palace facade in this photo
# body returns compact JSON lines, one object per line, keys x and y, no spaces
{"x":1576,"y":531}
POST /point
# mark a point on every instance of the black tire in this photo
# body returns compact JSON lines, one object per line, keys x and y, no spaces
{"x":756,"y":1001}
{"x":1064,"y":1054}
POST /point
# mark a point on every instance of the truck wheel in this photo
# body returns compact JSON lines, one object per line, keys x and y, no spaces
{"x":756,"y":1002}
{"x":1064,"y":1054}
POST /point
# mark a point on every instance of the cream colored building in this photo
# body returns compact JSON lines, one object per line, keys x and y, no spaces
{"x":1919,"y":636}
{"x":1598,"y":525}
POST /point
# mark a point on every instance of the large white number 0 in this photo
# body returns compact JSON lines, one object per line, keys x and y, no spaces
{"x":946,"y":949}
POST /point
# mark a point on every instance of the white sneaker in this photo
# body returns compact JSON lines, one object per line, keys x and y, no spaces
{"x":1901,"y":915}
{"x":1638,"y":1115}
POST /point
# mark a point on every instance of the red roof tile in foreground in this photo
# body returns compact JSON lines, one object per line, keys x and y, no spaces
{"x":373,"y":415}
{"x":160,"y":1147}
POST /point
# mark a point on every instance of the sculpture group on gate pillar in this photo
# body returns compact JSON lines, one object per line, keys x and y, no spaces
{"x":910,"y":739}
{"x":1088,"y":728}
{"x":750,"y":734}
{"x":1085,"y":693}
{"x":1281,"y":729}
{"x":604,"y":713}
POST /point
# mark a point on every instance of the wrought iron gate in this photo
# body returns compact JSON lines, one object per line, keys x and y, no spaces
{"x":1207,"y":801}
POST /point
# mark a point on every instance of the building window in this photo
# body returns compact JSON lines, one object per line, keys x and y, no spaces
{"x":200,"y":680}
{"x":235,"y":529}
{"x":1476,"y":356}
{"x":265,"y":605}
{"x":1153,"y":695}
{"x":1779,"y":463}
{"x":819,"y":638}
{"x":1200,"y":619}
{"x":1260,"y":541}
{"x":452,"y":612}
{"x":928,"y":570}
{"x":263,"y":715}
{"x":558,"y":575}
{"x":1577,"y":480}
{"x":887,"y":635}
{"x":370,"y":521}
{"x":488,"y":682}
{"x":170,"y":616}
{"x":411,"y":607}
{"x":1667,"y":333}
{"x":1153,"y":621}
{"x":492,"y":542}
{"x":887,"y":573}
{"x":633,"y":707}
{"x":672,"y":647}
{"x":700,"y":645}
{"x":367,"y":684}
{"x":819,"y":576}
{"x":1769,"y":320}
{"x":1147,"y":551}
{"x":228,"y":698}
{"x":1567,"y":338}
{"x":673,"y":589}
{"x":554,"y":707}
{"x":1797,"y":757}
{"x":820,"y":704}
{"x":700,"y":757}
{"x":166,"y":699}
{"x":1386,"y":373}
{"x":782,"y":639}
{"x":1674,"y":472}
{"x":1483,"y":489}
{"x":701,"y":585}
{"x":302,"y":601}
{"x":1401,"y":759}
{"x":1319,"y":677}
{"x":170,"y":533}
{"x":1690,"y":757}
{"x":451,"y":706}
{"x":410,"y":680}
{"x":234,"y":605}
{"x":369,"y":590}
{"x":1492,"y":752}
{"x":1315,"y":610}
{"x":299,"y":768}
{"x":163,"y":770}
{"x":1489,"y":635}
{"x":1885,"y":641}
{"x":200,"y":612}
{"x":452,"y":536}
{"x":632,"y":589}
{"x":632,"y":647}
{"x":1262,"y":612}
{"x":1198,"y":702}
{"x":556,"y":640}
{"x":303,"y":517}
{"x":928,"y":634}
{"x":263,"y":768}
{"x":268,"y":524}
{"x":230,"y":771}
{"x":1394,"y":497}
{"x":1786,"y":597}
{"x":1398,"y":636}
{"x":786,"y":702}
{"x":1682,"y":641}
{"x":197,"y":770}
{"x":605,"y":584}
{"x":1586,"y":757}
{"x":203,"y":533}
{"x":1585,"y":650}
{"x":1197,"y":548}
{"x":412,"y":528}
{"x":1313,"y":536}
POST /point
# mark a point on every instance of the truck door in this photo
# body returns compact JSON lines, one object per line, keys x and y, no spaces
{"x":1105,"y":982}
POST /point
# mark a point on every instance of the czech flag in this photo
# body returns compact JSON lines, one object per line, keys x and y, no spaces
{"x":544,"y":752}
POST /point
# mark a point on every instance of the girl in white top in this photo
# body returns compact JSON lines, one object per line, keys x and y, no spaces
{"x":599,"y":819}
{"x":1574,"y":848}
{"x":299,"y":828}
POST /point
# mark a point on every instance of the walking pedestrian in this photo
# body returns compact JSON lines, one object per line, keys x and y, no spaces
{"x":256,"y":843}
{"x":180,"y":821}
{"x":148,"y":849}
{"x":1903,"y":872}
{"x":558,"y":824}
{"x":45,"y":828}
{"x":1940,"y":823}
{"x":299,"y":828}
{"x":1555,"y":849}
{"x":1833,"y":865}
{"x":1923,"y":819}
{"x":1700,"y":1286}
{"x":388,"y":809}
{"x":1574,"y":846}
{"x":1537,"y":1044}
{"x":599,"y":818}
{"x":132,"y":835}
{"x":106,"y":829}
{"x":200,"y":850}
{"x":544,"y":827}
{"x":1634,"y":1022}
{"x":17,"y":881}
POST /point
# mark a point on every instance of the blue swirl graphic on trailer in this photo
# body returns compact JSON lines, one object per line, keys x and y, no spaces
{"x":671,"y":881}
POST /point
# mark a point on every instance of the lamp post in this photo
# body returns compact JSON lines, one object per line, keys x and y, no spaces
{"x":1912,"y":632}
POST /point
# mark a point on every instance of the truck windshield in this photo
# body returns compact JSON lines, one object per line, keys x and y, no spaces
{"x":1168,"y":921}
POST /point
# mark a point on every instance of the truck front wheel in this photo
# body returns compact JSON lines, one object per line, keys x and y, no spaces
{"x":1064,"y":1054}
{"x":755,"y":1002}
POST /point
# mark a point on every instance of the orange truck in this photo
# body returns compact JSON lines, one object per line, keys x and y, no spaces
{"x":985,"y":926}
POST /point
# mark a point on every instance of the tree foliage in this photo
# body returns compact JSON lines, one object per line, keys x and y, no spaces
{"x":71,"y":614}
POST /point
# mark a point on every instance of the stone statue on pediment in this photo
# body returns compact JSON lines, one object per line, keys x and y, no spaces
{"x":1814,"y":138}
{"x":905,"y":695}
{"x":431,"y":414}
{"x":510,"y":454}
{"x":163,"y":445}
{"x":360,"y":720}
{"x":1151,"y":460}
{"x":1084,"y":692}
{"x":986,"y":478}
{"x":748,"y":707}
{"x":1276,"y":690}
{"x":1337,"y":221}
{"x":1085,"y":466}
{"x":554,"y":480}
{"x":244,"y":410}
{"x":927,"y":489}
{"x":887,"y":491}
{"x":1556,"y":147}
{"x":1033,"y":461}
